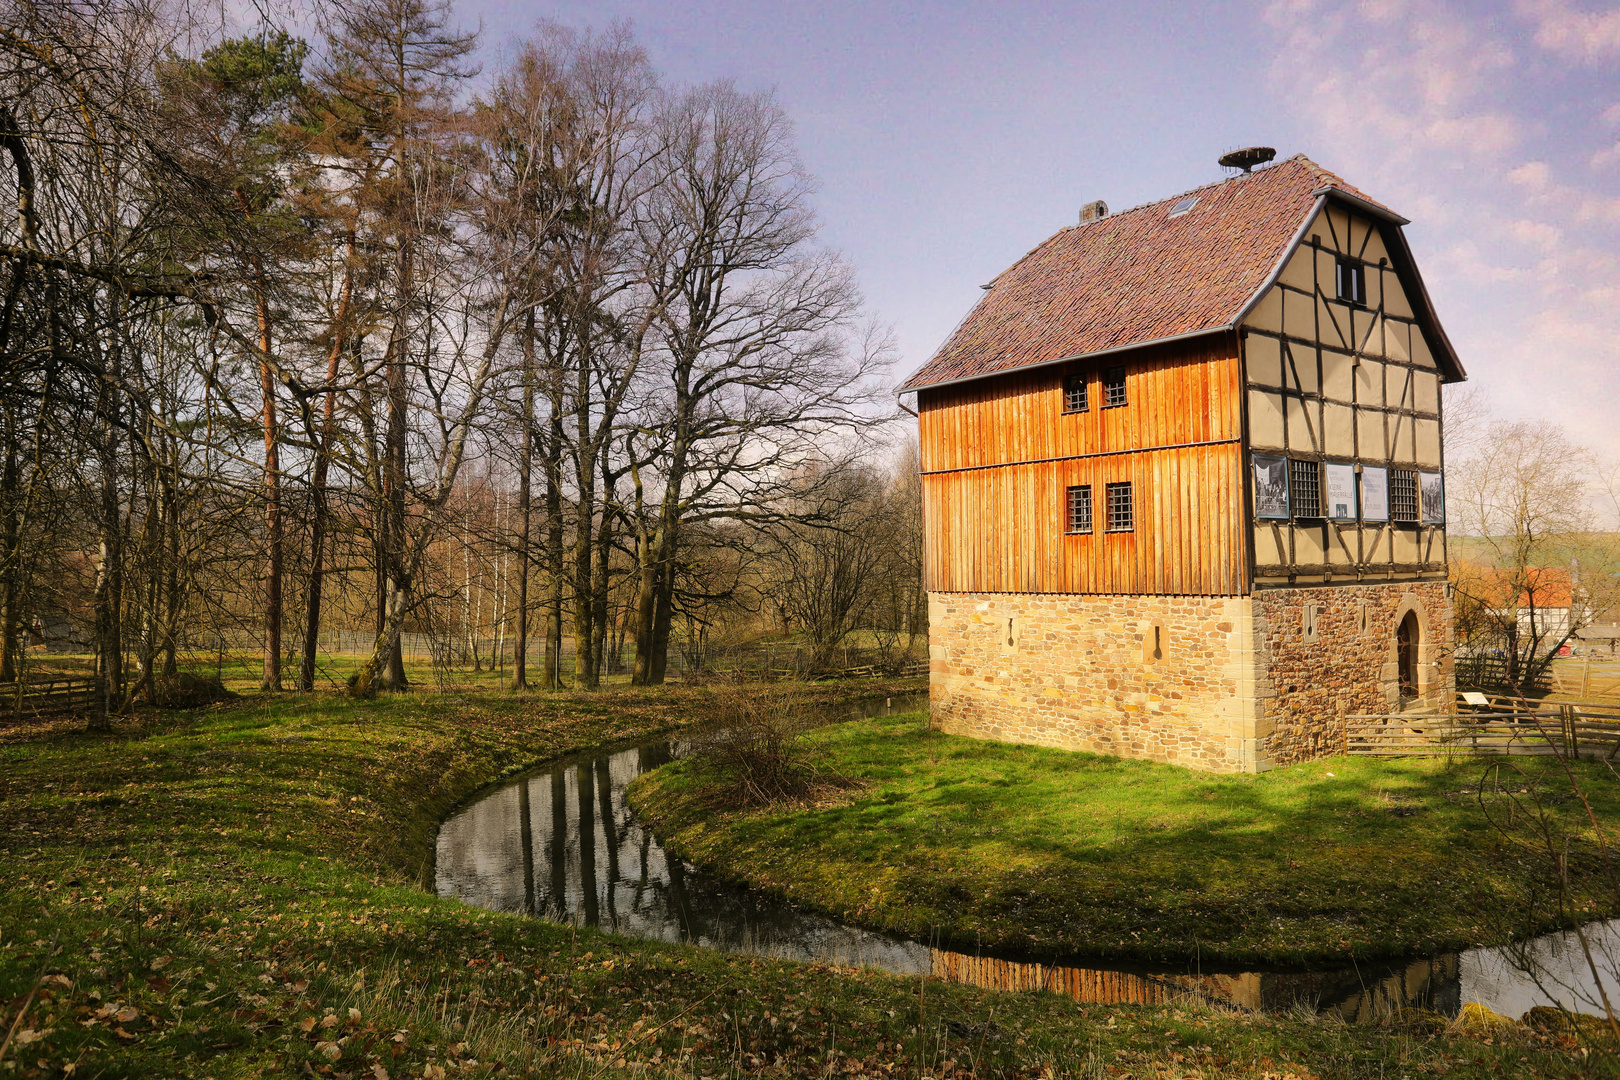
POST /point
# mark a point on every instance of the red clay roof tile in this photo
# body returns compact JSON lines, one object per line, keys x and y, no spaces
{"x":1136,"y":276}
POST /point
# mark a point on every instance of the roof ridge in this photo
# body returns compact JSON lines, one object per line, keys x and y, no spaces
{"x":1317,"y":169}
{"x":1203,"y":187}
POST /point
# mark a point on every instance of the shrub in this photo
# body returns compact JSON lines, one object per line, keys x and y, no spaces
{"x":757,"y":751}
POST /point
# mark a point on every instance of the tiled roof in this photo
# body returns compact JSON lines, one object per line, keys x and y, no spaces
{"x":1539,"y":587}
{"x":1136,"y":276}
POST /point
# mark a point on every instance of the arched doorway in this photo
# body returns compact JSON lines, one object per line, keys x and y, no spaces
{"x":1407,"y":636}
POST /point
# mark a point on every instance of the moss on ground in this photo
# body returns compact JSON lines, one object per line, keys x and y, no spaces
{"x":1057,"y":853}
{"x":238,"y":892}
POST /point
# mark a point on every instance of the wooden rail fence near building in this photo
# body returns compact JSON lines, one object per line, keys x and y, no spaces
{"x":1504,"y":726}
{"x":1485,"y":671}
{"x":47,"y":697}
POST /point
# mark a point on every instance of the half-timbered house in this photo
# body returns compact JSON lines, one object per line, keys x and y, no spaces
{"x":1183,"y":481}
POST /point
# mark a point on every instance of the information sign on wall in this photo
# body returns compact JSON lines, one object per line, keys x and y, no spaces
{"x":1374,"y":493}
{"x":1434,"y":497}
{"x":1270,"y":487}
{"x":1341,"y":492}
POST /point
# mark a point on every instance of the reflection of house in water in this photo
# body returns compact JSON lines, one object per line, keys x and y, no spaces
{"x":1352,"y":995}
{"x":562,"y":844}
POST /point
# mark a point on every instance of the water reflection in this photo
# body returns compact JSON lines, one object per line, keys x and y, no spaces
{"x":562,"y":845}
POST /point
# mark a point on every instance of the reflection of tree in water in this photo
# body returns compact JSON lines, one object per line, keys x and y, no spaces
{"x":596,"y":866}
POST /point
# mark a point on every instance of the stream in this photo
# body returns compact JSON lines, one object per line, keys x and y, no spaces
{"x":560,"y":844}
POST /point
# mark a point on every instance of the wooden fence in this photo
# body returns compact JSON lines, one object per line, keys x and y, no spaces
{"x":1506,"y":726}
{"x":1585,"y":678}
{"x":49,"y":697}
{"x":1492,"y":671}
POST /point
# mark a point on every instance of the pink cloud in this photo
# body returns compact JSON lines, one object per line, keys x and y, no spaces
{"x":1586,"y":37}
{"x":1518,"y":243}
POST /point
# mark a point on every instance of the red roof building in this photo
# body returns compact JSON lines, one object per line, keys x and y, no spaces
{"x":1182,"y":479}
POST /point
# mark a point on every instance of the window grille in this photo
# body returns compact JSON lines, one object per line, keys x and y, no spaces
{"x":1113,"y":387}
{"x":1074,"y":393}
{"x":1305,"y":486}
{"x":1121,"y":517}
{"x":1080,"y":509}
{"x":1352,"y":282}
{"x":1403,"y":495}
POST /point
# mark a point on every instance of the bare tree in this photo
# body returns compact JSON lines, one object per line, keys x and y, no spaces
{"x":1536,"y":545}
{"x":755,"y":342}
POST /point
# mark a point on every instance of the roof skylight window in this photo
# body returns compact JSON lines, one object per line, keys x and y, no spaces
{"x":1183,"y":206}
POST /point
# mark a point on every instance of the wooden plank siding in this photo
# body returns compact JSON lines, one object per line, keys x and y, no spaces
{"x":998,"y":455}
{"x":1186,"y":392}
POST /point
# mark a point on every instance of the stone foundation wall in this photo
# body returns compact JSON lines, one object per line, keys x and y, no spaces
{"x":1352,"y":665}
{"x":1222,"y":684}
{"x":1077,"y":672}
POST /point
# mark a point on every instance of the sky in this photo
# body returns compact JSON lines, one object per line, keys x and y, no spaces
{"x":948,"y":139}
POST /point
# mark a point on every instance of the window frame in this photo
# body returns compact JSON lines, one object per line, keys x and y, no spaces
{"x":1109,"y":375}
{"x":1110,"y":507}
{"x":1302,"y":487}
{"x":1355,"y":271}
{"x":1071,"y":382}
{"x":1069,"y":528}
{"x":1398,"y":500}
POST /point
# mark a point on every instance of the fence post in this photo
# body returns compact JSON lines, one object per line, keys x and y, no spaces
{"x":1586,"y":675}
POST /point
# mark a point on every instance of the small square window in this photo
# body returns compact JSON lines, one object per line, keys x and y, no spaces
{"x":1079,"y":509}
{"x":1305,"y":485}
{"x":1121,"y":515}
{"x":1074,"y":394}
{"x":1113,"y":387}
{"x":1352,"y":277}
{"x":1403,"y":495}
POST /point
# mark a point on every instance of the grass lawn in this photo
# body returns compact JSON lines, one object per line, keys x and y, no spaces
{"x":238,"y":892}
{"x":1081,"y":855}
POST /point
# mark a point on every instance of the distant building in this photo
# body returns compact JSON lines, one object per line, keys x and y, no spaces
{"x":1182,"y":481}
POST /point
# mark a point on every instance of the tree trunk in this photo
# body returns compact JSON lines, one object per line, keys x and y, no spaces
{"x":554,"y":549}
{"x":323,"y":459}
{"x":272,"y":508}
{"x":10,"y":590}
{"x":395,"y":588}
{"x":520,"y":659}
{"x":109,"y":571}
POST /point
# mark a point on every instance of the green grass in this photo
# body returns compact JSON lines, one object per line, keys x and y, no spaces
{"x":238,"y":892}
{"x":1080,"y":855}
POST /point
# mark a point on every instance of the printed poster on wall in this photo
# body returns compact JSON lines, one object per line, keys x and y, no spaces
{"x":1434,"y":497}
{"x":1270,"y":486}
{"x":1341,"y":492}
{"x":1374,"y":493}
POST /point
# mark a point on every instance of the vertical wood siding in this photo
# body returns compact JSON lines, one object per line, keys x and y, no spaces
{"x":1179,"y":393}
{"x":998,"y":457}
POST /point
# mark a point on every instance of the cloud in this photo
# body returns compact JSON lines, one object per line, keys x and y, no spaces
{"x":1534,"y":175}
{"x":1516,"y":217}
{"x":1585,"y":37}
{"x":1607,"y":158}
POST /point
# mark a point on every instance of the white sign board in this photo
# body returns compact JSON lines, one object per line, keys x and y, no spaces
{"x":1374,"y":493}
{"x":1341,"y":492}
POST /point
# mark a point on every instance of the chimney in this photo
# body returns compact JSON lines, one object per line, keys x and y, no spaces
{"x":1093,"y":211}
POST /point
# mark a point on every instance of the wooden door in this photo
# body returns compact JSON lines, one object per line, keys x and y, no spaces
{"x":1406,"y":647}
